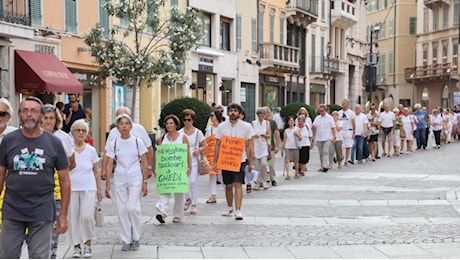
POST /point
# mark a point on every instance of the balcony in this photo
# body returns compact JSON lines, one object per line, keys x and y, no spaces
{"x":432,"y":3}
{"x":15,"y":12}
{"x":324,"y":67}
{"x":429,"y":73}
{"x":277,"y":57}
{"x":302,"y":12}
{"x":343,"y":13}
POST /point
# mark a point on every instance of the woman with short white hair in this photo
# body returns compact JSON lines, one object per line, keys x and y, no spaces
{"x":86,"y":188}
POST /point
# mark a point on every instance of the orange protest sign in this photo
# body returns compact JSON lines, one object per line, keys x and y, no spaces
{"x":210,"y":151}
{"x":230,"y":153}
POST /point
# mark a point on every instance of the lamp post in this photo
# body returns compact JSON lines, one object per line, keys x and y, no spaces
{"x":371,"y":70}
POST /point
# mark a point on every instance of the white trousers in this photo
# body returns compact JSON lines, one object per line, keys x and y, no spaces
{"x":178,"y":209}
{"x":127,"y":195}
{"x":81,"y":217}
{"x":213,"y":184}
{"x":193,"y":184}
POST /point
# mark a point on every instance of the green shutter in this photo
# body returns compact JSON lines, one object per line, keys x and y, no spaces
{"x":313,"y":52}
{"x":35,"y":12}
{"x":281,"y":30}
{"x":254,"y":35}
{"x":104,"y":18}
{"x":261,"y":26}
{"x":413,"y":25}
{"x":272,"y":28}
{"x":71,"y":16}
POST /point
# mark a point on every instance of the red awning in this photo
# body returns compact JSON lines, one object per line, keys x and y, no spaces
{"x":42,"y":72}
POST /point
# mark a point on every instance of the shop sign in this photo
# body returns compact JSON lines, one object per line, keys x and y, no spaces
{"x":272,"y":79}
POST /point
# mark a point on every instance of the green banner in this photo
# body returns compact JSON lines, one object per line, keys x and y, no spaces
{"x":171,"y":168}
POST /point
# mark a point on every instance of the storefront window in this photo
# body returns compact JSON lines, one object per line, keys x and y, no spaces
{"x":203,"y":86}
{"x":270,"y":96}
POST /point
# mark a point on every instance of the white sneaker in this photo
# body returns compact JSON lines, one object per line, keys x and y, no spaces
{"x":238,"y":215}
{"x":76,"y":252}
{"x":228,"y":212}
{"x":87,"y":251}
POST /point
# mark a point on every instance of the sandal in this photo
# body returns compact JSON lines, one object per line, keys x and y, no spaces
{"x":287,"y":178}
{"x":248,"y":188}
{"x":212,"y":200}
{"x":296,"y":176}
{"x":188,"y":202}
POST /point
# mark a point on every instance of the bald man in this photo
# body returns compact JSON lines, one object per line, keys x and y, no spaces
{"x":138,"y":130}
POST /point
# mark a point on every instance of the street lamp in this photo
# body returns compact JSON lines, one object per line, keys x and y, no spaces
{"x":371,"y":61}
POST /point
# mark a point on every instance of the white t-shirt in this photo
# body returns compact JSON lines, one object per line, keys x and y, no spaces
{"x":306,"y":133}
{"x":260,"y":144}
{"x":137,"y":130}
{"x":291,"y":139}
{"x":192,"y":142}
{"x":240,"y":129}
{"x":278,"y":120}
{"x":360,"y":121}
{"x":436,"y":122}
{"x":127,"y":152}
{"x":66,"y":141}
{"x":345,"y":117}
{"x":338,"y":133}
{"x":82,"y":176}
{"x":324,"y":125}
{"x":386,"y":119}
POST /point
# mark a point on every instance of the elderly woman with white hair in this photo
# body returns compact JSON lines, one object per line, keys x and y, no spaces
{"x":261,"y":148}
{"x":6,"y":110}
{"x":129,"y":182}
{"x":86,"y":188}
{"x":397,"y":133}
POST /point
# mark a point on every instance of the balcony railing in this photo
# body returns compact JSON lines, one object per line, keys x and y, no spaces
{"x":343,"y":13}
{"x":15,"y":18}
{"x":305,"y":10}
{"x":431,"y":3}
{"x":279,"y":57}
{"x":324,"y":65}
{"x":429,"y":72}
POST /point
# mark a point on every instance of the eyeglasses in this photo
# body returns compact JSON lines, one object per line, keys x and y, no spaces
{"x":80,"y":130}
{"x":3,"y":113}
{"x":32,"y":111}
{"x":187,"y":120}
{"x":48,"y":108}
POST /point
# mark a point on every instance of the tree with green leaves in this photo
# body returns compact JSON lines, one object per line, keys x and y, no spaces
{"x":150,"y":42}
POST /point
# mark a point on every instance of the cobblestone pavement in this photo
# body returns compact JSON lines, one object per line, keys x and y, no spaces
{"x":406,"y":200}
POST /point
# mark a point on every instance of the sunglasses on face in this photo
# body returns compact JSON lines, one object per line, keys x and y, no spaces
{"x":80,"y":130}
{"x":3,"y":113}
{"x":187,"y":120}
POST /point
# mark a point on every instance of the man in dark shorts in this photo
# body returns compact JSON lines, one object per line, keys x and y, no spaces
{"x":233,"y":181}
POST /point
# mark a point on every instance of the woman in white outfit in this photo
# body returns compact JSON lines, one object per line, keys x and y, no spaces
{"x":408,"y":125}
{"x":291,"y":141}
{"x":129,"y":181}
{"x":215,"y":120}
{"x":86,"y":188}
{"x":262,"y":133}
{"x":172,"y":136}
{"x":197,"y":144}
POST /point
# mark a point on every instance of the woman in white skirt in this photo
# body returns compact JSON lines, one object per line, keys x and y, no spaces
{"x":291,"y":141}
{"x":86,"y":188}
{"x":129,"y":181}
{"x":408,"y":125}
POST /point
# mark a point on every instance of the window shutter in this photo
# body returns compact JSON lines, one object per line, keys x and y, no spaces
{"x":104,"y":18}
{"x":35,"y":12}
{"x":238,"y":32}
{"x":71,"y":16}
{"x":254,"y":35}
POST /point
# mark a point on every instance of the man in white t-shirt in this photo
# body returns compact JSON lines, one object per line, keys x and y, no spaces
{"x":138,"y":131}
{"x":387,"y":121}
{"x":324,"y":129}
{"x":361,"y":132}
{"x":347,"y":117}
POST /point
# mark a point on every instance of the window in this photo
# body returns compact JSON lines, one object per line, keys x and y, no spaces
{"x":254,"y":36}
{"x":272,"y":25}
{"x":313,"y":53}
{"x":434,"y":52}
{"x":238,"y":32}
{"x":261,"y":25}
{"x":382,"y":32}
{"x":323,"y":10}
{"x":174,"y":3}
{"x":391,"y":27}
{"x":455,"y":54}
{"x":104,"y":18}
{"x":381,"y":66}
{"x":413,"y":25}
{"x":282,"y":29}
{"x":444,"y":51}
{"x":71,"y":16}
{"x":390,"y":62}
{"x":322,"y":46}
{"x":456,"y":13}
{"x":425,"y":54}
{"x":435,"y":18}
{"x":445,"y":16}
{"x":36,"y":12}
{"x":224,"y":34}
{"x":426,"y":20}
{"x":206,"y":29}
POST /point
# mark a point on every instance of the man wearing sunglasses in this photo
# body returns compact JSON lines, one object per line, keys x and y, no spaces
{"x":5,"y":116}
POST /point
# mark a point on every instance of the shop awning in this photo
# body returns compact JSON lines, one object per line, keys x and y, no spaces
{"x":42,"y":72}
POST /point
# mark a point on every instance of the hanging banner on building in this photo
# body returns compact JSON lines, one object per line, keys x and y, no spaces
{"x":171,"y":168}
{"x":230,"y":153}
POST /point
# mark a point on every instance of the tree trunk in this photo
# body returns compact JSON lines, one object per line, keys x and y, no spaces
{"x":133,"y":102}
